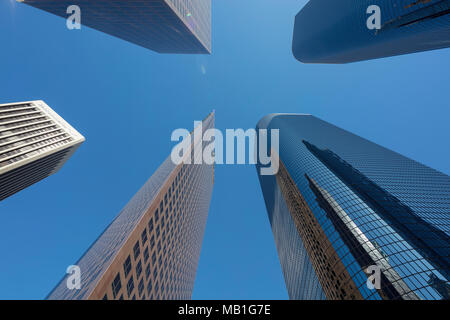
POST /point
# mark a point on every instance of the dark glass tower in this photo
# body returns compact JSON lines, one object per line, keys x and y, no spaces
{"x":164,"y":26}
{"x":150,"y":251}
{"x":340,"y":204}
{"x":329,"y":31}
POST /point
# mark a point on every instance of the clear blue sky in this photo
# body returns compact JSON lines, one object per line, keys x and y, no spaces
{"x":127,"y":100}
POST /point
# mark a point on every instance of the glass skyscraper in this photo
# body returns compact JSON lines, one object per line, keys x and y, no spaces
{"x":329,"y":31}
{"x":151,"y":249}
{"x":164,"y":26}
{"x":35,"y":142}
{"x":340,"y":206}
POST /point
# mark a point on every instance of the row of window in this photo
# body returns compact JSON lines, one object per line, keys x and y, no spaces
{"x":158,"y":232}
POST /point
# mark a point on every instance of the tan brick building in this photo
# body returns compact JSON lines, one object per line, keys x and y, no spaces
{"x":151,"y":249}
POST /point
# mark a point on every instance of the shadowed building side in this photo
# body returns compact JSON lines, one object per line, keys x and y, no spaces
{"x":164,"y":26}
{"x":340,"y":205}
{"x":328,"y":31}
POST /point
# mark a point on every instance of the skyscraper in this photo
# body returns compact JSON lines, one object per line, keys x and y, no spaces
{"x":164,"y":26}
{"x":151,"y":249}
{"x":35,"y":142}
{"x":343,"y":209}
{"x":328,"y":31}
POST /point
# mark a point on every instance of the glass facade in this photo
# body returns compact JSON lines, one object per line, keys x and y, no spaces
{"x":355,"y":204}
{"x":151,"y":249}
{"x":164,"y":26}
{"x":329,"y":31}
{"x":196,"y":14}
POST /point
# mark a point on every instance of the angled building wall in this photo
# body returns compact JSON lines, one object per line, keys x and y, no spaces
{"x":35,"y":142}
{"x":328,"y":31}
{"x":150,"y":251}
{"x":164,"y":26}
{"x":354,"y":205}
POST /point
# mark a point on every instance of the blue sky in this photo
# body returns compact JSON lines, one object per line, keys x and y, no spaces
{"x":127,"y":100}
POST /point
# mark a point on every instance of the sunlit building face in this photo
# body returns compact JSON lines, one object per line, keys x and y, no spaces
{"x":150,"y":251}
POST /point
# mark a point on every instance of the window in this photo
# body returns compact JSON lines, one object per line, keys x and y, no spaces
{"x":150,"y":223}
{"x":154,"y":257}
{"x":147,"y":271}
{"x":149,"y":287}
{"x":136,"y":250}
{"x":144,"y":236}
{"x":116,"y":285}
{"x":138,"y":269}
{"x":141,"y":287}
{"x":105,"y":297}
{"x":146,"y":255}
{"x":161,"y":208}
{"x":127,"y":266}
{"x":130,"y":286}
{"x":152,"y":242}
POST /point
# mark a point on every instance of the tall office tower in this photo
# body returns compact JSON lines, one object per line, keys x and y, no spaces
{"x":164,"y":26}
{"x":151,"y":249}
{"x":34,"y":143}
{"x":329,"y":31}
{"x":344,"y":210}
